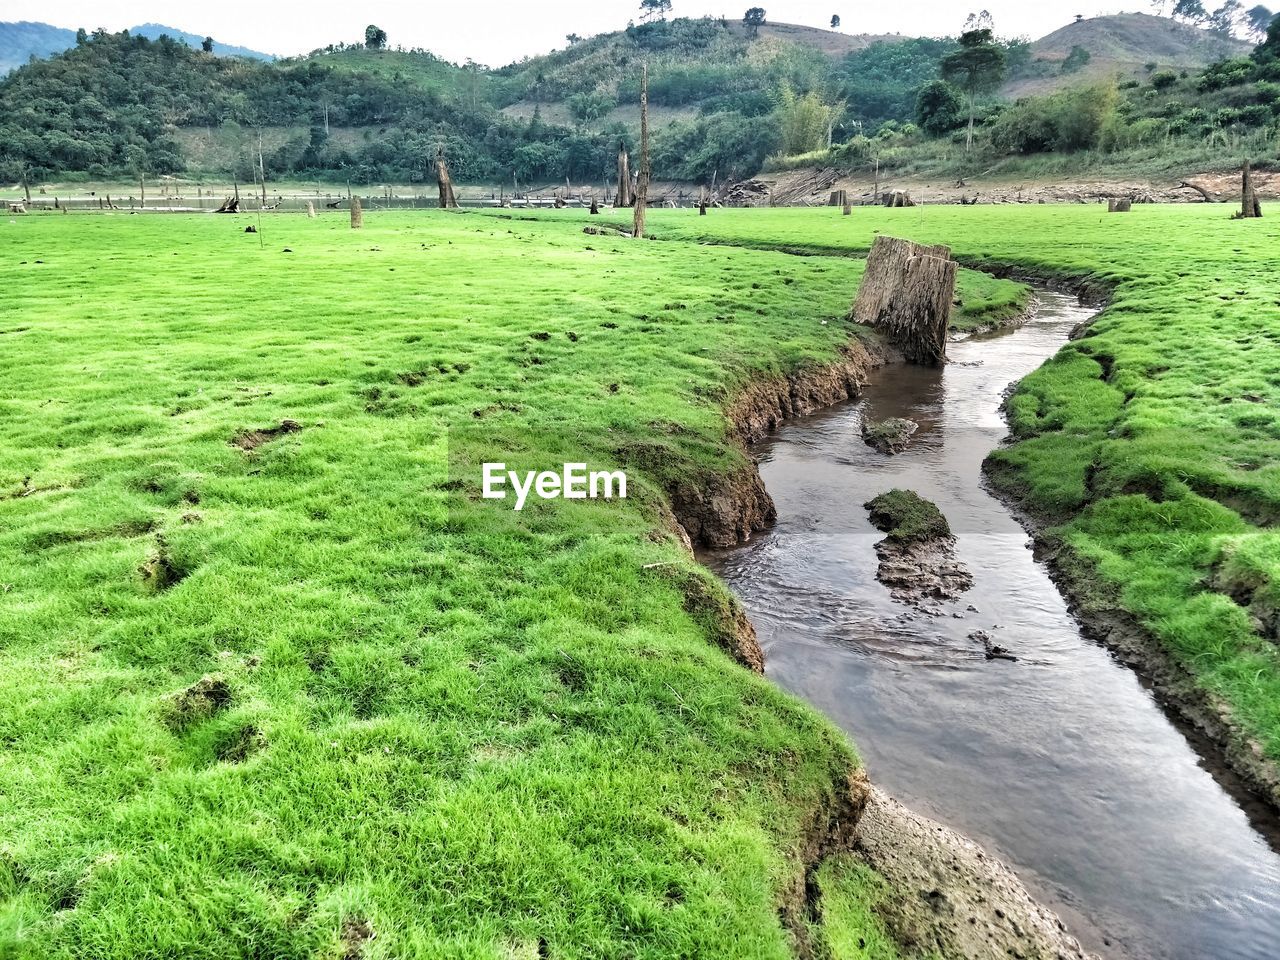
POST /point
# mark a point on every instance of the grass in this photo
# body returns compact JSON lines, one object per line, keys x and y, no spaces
{"x":294,"y":689}
{"x":907,"y":517}
{"x":1153,"y":442}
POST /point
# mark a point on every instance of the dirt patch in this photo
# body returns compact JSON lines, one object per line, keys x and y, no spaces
{"x":207,"y":696}
{"x":951,"y":898}
{"x":889,"y":436}
{"x":356,"y":932}
{"x":241,"y":744}
{"x":250,"y":440}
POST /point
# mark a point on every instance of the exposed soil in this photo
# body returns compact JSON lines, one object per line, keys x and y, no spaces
{"x":922,"y":572}
{"x":250,"y":440}
{"x":200,"y":701}
{"x":1224,"y":186}
{"x":953,"y":899}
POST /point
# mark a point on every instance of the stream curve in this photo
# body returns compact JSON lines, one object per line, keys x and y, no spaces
{"x":1061,"y":763}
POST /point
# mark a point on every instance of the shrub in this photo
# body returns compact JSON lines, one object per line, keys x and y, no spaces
{"x":1164,"y":79}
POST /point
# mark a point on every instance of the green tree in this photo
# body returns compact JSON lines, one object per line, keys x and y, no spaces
{"x":654,"y":9}
{"x":804,"y":122}
{"x":754,"y":20}
{"x":939,"y":109}
{"x":1269,"y":50}
{"x":1190,"y":11}
{"x":1257,"y":19}
{"x":835,"y":21}
{"x":82,"y":37}
{"x":375,"y":38}
{"x":207,"y":45}
{"x":1076,"y":60}
{"x":977,"y":67}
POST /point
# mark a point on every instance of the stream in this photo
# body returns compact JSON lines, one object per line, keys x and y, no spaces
{"x":1061,"y":763}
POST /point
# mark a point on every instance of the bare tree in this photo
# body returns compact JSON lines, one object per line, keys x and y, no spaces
{"x":642,"y":182}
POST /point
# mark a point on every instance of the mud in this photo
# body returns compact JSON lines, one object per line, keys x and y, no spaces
{"x":250,"y":440}
{"x":953,"y":898}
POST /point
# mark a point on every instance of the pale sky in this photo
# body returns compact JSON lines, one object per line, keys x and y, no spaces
{"x":497,"y":32}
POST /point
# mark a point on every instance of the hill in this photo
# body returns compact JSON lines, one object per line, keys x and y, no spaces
{"x":1123,"y":44}
{"x":21,"y":41}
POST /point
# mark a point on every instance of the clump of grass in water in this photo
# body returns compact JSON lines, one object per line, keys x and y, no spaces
{"x":906,"y":517}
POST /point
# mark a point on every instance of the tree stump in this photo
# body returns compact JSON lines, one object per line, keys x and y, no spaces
{"x":447,"y":200}
{"x":848,"y":210}
{"x":906,"y":293}
{"x":595,"y":207}
{"x":897,"y":198}
{"x":1250,"y":207}
{"x":623,"y":198}
{"x":311,"y":210}
{"x":838,"y":199}
{"x":357,"y":214}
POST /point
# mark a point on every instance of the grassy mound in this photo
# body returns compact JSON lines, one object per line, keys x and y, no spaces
{"x":907,"y":517}
{"x":275,"y":680}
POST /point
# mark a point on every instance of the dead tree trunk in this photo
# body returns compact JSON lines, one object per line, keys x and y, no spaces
{"x":623,"y":198}
{"x":262,"y":172}
{"x":642,"y":182}
{"x":595,"y":207}
{"x":1208,"y":197}
{"x":447,"y":200}
{"x":848,"y":210}
{"x":906,"y":292}
{"x":311,"y":210}
{"x":142,"y":192}
{"x":702,"y":202}
{"x":357,"y":214}
{"x":26,"y":186}
{"x":1119,"y":206}
{"x":1250,"y":207}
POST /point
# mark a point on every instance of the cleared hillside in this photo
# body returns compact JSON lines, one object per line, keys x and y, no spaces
{"x":1122,"y":44}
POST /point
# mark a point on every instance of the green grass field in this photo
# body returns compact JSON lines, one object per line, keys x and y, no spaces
{"x":300,"y":692}
{"x":1153,"y":443}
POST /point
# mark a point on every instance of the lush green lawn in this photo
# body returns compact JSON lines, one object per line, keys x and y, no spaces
{"x":265,"y":702}
{"x":1155,"y":441}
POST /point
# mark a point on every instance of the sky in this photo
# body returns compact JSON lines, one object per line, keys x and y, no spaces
{"x":496,"y":32}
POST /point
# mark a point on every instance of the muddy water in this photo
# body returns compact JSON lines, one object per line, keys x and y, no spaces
{"x":1061,"y":763}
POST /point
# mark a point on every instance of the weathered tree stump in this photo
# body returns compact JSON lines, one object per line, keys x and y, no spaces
{"x":595,"y":207}
{"x":907,"y":292}
{"x":897,"y":198}
{"x":838,"y":199}
{"x":447,"y":200}
{"x":1119,"y":206}
{"x":623,"y":198}
{"x":357,"y":214}
{"x":311,"y":210}
{"x":848,"y":210}
{"x":1250,"y":207}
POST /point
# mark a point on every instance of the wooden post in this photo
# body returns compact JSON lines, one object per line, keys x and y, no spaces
{"x":1250,"y":207}
{"x":642,"y":183}
{"x":142,"y":192}
{"x":906,"y":292}
{"x":447,"y":200}
{"x":357,"y":214}
{"x":623,"y":198}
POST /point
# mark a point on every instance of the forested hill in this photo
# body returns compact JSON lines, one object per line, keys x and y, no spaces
{"x":724,"y":98}
{"x":22,"y":40}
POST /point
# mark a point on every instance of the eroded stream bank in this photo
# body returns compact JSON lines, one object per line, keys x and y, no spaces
{"x":1061,"y":762}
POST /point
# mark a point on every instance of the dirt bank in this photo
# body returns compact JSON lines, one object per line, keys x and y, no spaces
{"x":953,"y":899}
{"x":792,"y":186}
